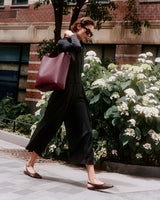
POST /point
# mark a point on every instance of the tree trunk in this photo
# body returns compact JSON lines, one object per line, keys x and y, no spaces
{"x":58,"y":13}
{"x":76,"y":11}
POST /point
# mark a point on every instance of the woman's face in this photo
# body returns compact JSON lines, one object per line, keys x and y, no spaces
{"x":84,"y":32}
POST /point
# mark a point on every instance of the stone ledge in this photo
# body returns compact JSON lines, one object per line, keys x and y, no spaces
{"x":136,"y":170}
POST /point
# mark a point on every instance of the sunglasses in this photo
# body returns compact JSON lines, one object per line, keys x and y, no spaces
{"x":88,"y":31}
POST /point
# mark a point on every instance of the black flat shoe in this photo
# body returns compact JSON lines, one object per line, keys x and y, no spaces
{"x":99,"y":187}
{"x":33,"y":175}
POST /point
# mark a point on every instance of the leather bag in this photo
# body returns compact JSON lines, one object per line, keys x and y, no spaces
{"x":53,"y":72}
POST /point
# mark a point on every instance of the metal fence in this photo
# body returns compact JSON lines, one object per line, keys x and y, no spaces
{"x":14,"y":122}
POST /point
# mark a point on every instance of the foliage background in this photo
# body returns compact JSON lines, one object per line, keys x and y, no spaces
{"x":125,"y":106}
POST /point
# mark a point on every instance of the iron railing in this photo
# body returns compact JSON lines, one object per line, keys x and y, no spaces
{"x":14,"y":122}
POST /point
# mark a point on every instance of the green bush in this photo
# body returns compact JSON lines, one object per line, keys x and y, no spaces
{"x":9,"y":109}
{"x":24,"y":127}
{"x":125,"y":108}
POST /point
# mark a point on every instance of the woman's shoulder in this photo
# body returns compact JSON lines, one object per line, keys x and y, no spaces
{"x":64,"y":40}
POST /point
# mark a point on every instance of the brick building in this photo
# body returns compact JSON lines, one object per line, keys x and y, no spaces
{"x":22,"y":28}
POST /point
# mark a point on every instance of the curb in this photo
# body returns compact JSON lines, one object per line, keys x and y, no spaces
{"x":12,"y":138}
{"x":136,"y":170}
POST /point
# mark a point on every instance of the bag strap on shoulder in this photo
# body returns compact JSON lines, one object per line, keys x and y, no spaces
{"x":54,"y":51}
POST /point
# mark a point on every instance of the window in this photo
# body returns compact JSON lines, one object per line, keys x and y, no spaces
{"x":19,"y":2}
{"x":14,"y":60}
{"x":1,"y":2}
{"x":106,"y":52}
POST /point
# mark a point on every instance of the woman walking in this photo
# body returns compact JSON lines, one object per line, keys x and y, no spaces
{"x":69,"y":106}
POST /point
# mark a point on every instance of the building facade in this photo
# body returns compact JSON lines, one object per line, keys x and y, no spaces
{"x":22,"y":27}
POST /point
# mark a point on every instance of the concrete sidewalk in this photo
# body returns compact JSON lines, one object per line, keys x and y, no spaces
{"x":62,"y":181}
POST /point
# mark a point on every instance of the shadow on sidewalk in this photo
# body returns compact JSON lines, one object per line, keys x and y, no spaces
{"x":71,"y":182}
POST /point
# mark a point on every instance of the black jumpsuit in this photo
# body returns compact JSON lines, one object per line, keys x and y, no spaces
{"x":69,"y":105}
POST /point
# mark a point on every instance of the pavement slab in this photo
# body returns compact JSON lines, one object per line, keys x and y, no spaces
{"x":61,"y":181}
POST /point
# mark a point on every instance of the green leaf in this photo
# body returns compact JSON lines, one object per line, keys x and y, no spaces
{"x":125,"y":141}
{"x":95,"y":99}
{"x":112,"y":112}
{"x":58,"y":151}
{"x":141,"y":86}
{"x":95,"y":134}
{"x":125,"y":85}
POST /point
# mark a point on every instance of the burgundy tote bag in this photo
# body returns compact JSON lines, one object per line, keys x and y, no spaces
{"x":53,"y":72}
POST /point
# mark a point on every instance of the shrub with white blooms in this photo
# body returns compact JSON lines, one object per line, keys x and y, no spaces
{"x":125,"y":109}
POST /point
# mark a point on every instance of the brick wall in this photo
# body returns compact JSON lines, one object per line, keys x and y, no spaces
{"x":32,"y":94}
{"x":124,"y":53}
{"x":127,"y":53}
{"x":27,"y":14}
{"x":146,"y":11}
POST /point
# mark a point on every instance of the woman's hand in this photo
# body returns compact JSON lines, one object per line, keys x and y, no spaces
{"x":68,"y":34}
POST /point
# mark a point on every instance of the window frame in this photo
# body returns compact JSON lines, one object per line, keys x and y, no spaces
{"x":18,"y":3}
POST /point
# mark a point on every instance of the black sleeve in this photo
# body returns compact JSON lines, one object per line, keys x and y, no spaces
{"x":69,"y":44}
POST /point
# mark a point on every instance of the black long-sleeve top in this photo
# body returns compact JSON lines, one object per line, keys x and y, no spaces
{"x":75,"y":48}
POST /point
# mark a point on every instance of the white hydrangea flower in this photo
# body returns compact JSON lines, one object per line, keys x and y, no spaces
{"x":132,"y":121}
{"x":37,"y":112}
{"x":141,"y":76}
{"x":150,"y":95}
{"x":141,"y":60}
{"x":126,"y":66}
{"x":138,"y":138}
{"x":111,"y":66}
{"x":100,"y":82}
{"x":152,"y":78}
{"x":130,"y":92}
{"x":149,"y":54}
{"x":146,"y":66}
{"x":137,"y":69}
{"x":52,"y":147}
{"x":97,"y":60}
{"x":147,"y":111}
{"x":130,"y":132}
{"x":147,"y":146}
{"x":111,"y":79}
{"x":153,"y":101}
{"x":66,"y":146}
{"x":150,"y":112}
{"x":115,"y":95}
{"x":143,"y":55}
{"x":154,"y":88}
{"x":86,"y":65}
{"x":102,"y":152}
{"x":149,"y":62}
{"x":123,"y":107}
{"x":82,"y":75}
{"x":88,"y":58}
{"x":157,"y":60}
{"x":91,"y":53}
{"x":119,"y":73}
{"x":114,"y":152}
{"x":155,"y":136}
{"x":138,"y":155}
{"x":40,"y":102}
{"x":158,"y":106}
{"x":145,"y":100}
{"x":131,"y":75}
{"x":45,"y":94}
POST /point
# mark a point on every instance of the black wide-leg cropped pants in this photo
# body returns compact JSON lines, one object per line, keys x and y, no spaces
{"x":68,"y":106}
